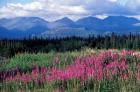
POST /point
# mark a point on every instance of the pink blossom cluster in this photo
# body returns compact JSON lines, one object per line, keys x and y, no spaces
{"x":103,"y":66}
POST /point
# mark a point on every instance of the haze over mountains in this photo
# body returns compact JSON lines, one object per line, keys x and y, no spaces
{"x":21,"y":27}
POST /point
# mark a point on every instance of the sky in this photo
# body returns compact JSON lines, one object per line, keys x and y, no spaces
{"x":74,"y":9}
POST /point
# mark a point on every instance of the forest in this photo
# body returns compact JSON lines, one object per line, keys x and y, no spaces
{"x":102,"y":63}
{"x":9,"y":48}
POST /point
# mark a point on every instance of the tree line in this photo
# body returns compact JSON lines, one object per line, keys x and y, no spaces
{"x":9,"y":48}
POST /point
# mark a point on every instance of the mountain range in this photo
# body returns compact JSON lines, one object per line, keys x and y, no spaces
{"x":23,"y":27}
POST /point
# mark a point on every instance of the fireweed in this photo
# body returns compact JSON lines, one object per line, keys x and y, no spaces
{"x":106,"y":65}
{"x":102,"y":66}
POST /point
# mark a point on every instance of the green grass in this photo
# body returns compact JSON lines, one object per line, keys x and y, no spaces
{"x":26,"y":61}
{"x":117,"y":85}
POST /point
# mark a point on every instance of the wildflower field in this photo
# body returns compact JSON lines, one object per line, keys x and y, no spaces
{"x":78,"y":71}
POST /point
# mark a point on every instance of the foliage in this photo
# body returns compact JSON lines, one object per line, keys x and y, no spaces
{"x":26,"y":61}
{"x":9,"y":48}
{"x":103,"y":71}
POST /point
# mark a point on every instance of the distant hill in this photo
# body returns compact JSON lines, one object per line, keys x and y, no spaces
{"x":21,"y":27}
{"x":89,"y":22}
{"x":63,"y":23}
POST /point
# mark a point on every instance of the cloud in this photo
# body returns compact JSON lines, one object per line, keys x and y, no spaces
{"x":13,"y":10}
{"x":53,"y":9}
{"x":32,"y":6}
{"x":113,"y":0}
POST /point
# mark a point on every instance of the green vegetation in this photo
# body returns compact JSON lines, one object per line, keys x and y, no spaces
{"x":9,"y":48}
{"x":69,"y":66}
{"x":26,"y":61}
{"x":117,"y":71}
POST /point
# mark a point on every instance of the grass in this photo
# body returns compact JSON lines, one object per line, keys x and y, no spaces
{"x":26,"y":61}
{"x":117,"y":85}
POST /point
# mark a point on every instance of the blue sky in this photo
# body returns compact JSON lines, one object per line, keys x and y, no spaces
{"x":4,"y":2}
{"x":74,"y":9}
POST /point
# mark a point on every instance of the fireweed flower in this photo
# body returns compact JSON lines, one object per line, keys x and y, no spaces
{"x":104,"y":65}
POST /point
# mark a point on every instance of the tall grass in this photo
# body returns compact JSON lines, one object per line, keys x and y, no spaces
{"x":26,"y":61}
{"x":97,"y":71}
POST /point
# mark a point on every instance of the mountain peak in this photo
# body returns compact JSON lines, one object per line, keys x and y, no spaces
{"x":91,"y":18}
{"x":64,"y":20}
{"x":22,"y":23}
{"x":119,"y":17}
{"x":61,"y":23}
{"x":121,"y":20}
{"x":89,"y":22}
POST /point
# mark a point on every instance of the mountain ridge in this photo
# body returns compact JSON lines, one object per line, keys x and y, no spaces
{"x":26,"y":26}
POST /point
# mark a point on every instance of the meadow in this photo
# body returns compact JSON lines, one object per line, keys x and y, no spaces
{"x":87,"y":70}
